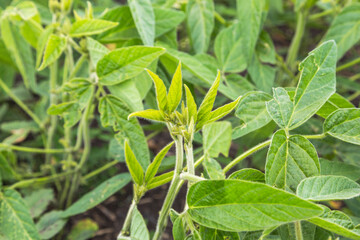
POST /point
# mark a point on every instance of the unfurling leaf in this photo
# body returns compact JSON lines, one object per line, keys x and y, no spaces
{"x":135,"y":169}
{"x":151,"y":114}
{"x":160,"y":90}
{"x":175,"y":90}
{"x":154,"y":166}
{"x":54,"y":48}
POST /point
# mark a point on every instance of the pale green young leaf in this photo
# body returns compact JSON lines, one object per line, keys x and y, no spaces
{"x":50,"y":224}
{"x":114,"y":112}
{"x":248,"y":174}
{"x":41,"y":43}
{"x":97,"y":195}
{"x":337,"y":222}
{"x":54,"y":48}
{"x":191,"y":105}
{"x":217,"y":138}
{"x":135,"y":169}
{"x":150,"y":114}
{"x":339,"y":169}
{"x":154,"y":166}
{"x":200,"y":23}
{"x":31,"y":30}
{"x":38,"y":201}
{"x":88,"y":27}
{"x":325,"y":188}
{"x":96,"y":50}
{"x":317,"y":83}
{"x":236,"y":205}
{"x":345,"y":29}
{"x":175,"y":90}
{"x":289,"y":160}
{"x":220,"y":112}
{"x":343,"y":124}
{"x":212,"y":169}
{"x":208,"y":102}
{"x":144,"y":18}
{"x":138,"y":229}
{"x":160,"y":90}
{"x":20,"y":52}
{"x":179,"y":229}
{"x":160,"y":180}
{"x":281,"y":107}
{"x":252,"y":113}
{"x":15,"y":218}
{"x":125,"y":63}
{"x":335,"y":102}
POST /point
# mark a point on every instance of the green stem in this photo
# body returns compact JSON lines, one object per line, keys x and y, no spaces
{"x":191,"y":177}
{"x":126,"y":226}
{"x":322,"y":14}
{"x":32,"y":150}
{"x":21,"y":104}
{"x":100,"y":170}
{"x":173,"y":189}
{"x":296,"y":41}
{"x":316,"y":136}
{"x":42,"y":180}
{"x":298,"y":231}
{"x":219,"y":18}
{"x":190,"y":159}
{"x":78,"y":65}
{"x":349,"y":64}
{"x":246,"y":154}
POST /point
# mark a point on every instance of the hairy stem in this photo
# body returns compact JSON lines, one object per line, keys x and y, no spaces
{"x":298,"y":231}
{"x":126,"y":227}
{"x":173,"y":189}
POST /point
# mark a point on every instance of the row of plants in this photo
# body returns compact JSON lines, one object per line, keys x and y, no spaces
{"x":221,"y":78}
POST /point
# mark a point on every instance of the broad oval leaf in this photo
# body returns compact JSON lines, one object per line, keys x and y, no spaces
{"x":144,"y":18}
{"x":217,"y":138}
{"x":252,"y":113}
{"x":15,"y":219}
{"x":50,"y":224}
{"x":345,"y":29}
{"x":96,"y":50}
{"x":324,"y":188}
{"x":138,"y":229}
{"x":236,"y":205}
{"x":212,"y":169}
{"x":317,"y":83}
{"x":344,"y":125}
{"x":88,"y":27}
{"x":54,"y":48}
{"x":335,"y":102}
{"x":200,"y":22}
{"x":337,"y":222}
{"x":289,"y":160}
{"x":281,"y":107}
{"x":124,"y":63}
{"x":98,"y":195}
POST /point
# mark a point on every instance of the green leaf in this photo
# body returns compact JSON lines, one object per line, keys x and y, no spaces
{"x":208,"y":102}
{"x":343,"y":124}
{"x":60,"y":108}
{"x":160,"y":180}
{"x":175,"y":91}
{"x":248,"y":174}
{"x":114,"y":112}
{"x":325,"y":188}
{"x":215,"y":234}
{"x":151,"y":114}
{"x":38,"y":201}
{"x":345,"y":29}
{"x":265,"y":49}
{"x":212,"y":168}
{"x":144,"y":18}
{"x":98,"y":195}
{"x":221,"y":112}
{"x":41,"y":44}
{"x":339,"y":169}
{"x":69,"y":110}
{"x":217,"y":138}
{"x":236,"y":205}
{"x":179,"y":229}
{"x":335,"y":102}
{"x":289,"y":160}
{"x":191,"y":105}
{"x":83,"y":230}
{"x":88,"y":27}
{"x":125,"y":63}
{"x":50,"y":224}
{"x":6,"y":171}
{"x":317,"y":83}
{"x":31,"y":30}
{"x":261,"y":74}
{"x":252,"y":113}
{"x":54,"y":48}
{"x":96,"y":50}
{"x":135,"y":169}
{"x":200,"y":23}
{"x":309,"y":232}
{"x":138,"y":229}
{"x":81,"y":89}
{"x":129,"y":93}
{"x":281,"y":107}
{"x":15,"y":219}
{"x":167,"y":19}
{"x":20,"y":52}
{"x":154,"y":166}
{"x":160,"y":89}
{"x":337,"y":222}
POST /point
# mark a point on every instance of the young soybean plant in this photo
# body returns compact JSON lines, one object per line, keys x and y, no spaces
{"x":286,"y":201}
{"x":182,"y":126}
